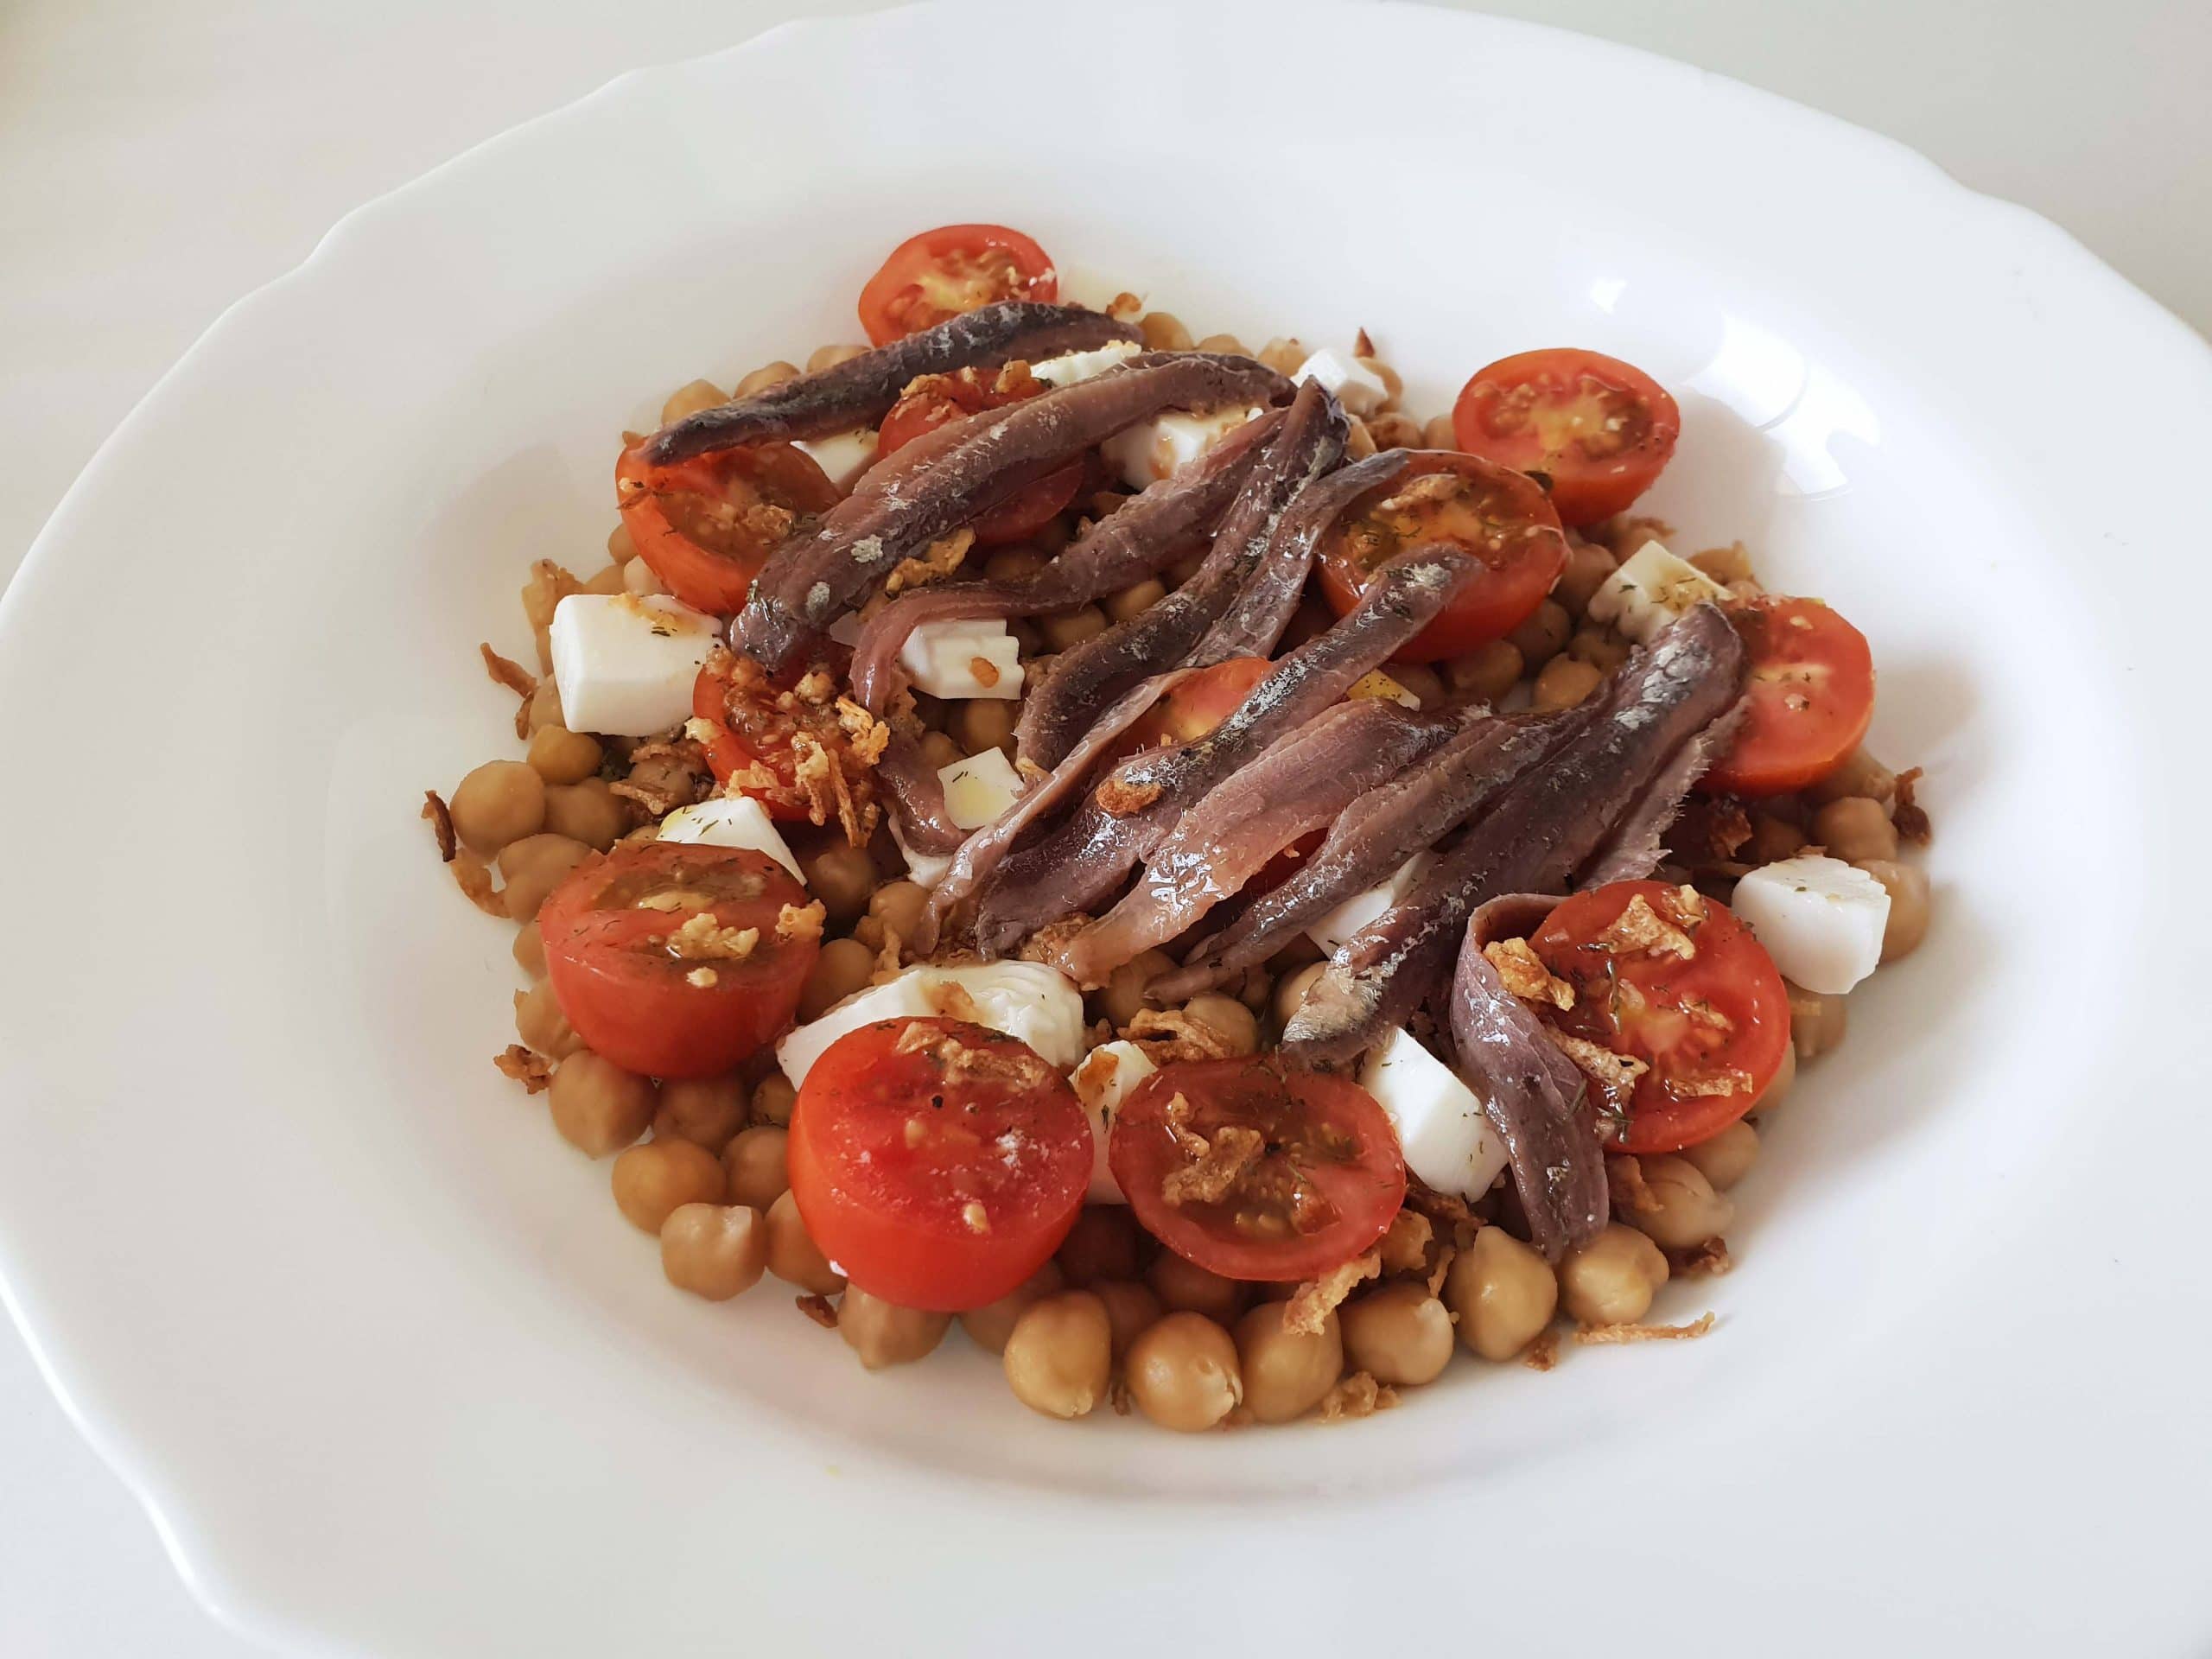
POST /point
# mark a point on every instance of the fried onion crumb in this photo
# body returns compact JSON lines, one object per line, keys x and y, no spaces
{"x":1356,"y":1396}
{"x":441,"y":821}
{"x":1605,"y":1335}
{"x":1523,"y":973}
{"x":1168,"y":1035}
{"x":534,"y":1072}
{"x":1543,"y":1353}
{"x":1404,"y":1247}
{"x":1311,"y":1304}
{"x":936,"y":561}
{"x":818,"y":1309}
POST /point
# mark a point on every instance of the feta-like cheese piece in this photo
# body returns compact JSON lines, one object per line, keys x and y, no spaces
{"x":1329,"y":931}
{"x":625,"y":663}
{"x":731,"y":821}
{"x":942,"y":658}
{"x":1357,"y":387}
{"x":1446,"y":1135}
{"x":1150,"y":450}
{"x":1380,"y":686}
{"x":927,"y":869}
{"x":843,"y":457}
{"x":1820,"y":919}
{"x":1066,"y":369}
{"x":1101,"y":1082}
{"x":1649,"y":590}
{"x":1026,"y":1000}
{"x":979,"y":788}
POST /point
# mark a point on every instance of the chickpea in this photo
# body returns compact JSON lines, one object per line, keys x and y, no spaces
{"x":793,"y":1256}
{"x":1488,"y":671}
{"x":1256,"y":990}
{"x":530,"y":949}
{"x":1103,"y":1244}
{"x":1610,"y":1279}
{"x":607,"y":581}
{"x":620,"y":547}
{"x":653,"y":1179}
{"x":1725,"y":565}
{"x":598,"y":1106}
{"x":1184,"y":1374}
{"x":542,"y":1026}
{"x":841,"y":877}
{"x":1773,"y":839}
{"x":883,"y":1333}
{"x":1588,"y":564}
{"x":706,"y":1111}
{"x":767,"y":375}
{"x":1059,"y":1357}
{"x":1855,"y":828}
{"x":1135,"y":599}
{"x":1684,"y":1210}
{"x":1163,"y":331}
{"x":829,"y":356}
{"x":1225,"y":344}
{"x":1286,"y":1372}
{"x":533,"y":867}
{"x":641,"y":579}
{"x":714,"y":1250}
{"x":1601,"y":648}
{"x":990,"y":1325}
{"x":1285,"y":354}
{"x":1125,"y":993}
{"x":1291,"y":994}
{"x":1908,"y":889}
{"x":773,"y":1097}
{"x":1301,"y":952}
{"x":500,"y":802}
{"x":1860,"y":774}
{"x":1564,"y":682}
{"x":688,"y":399}
{"x":843,"y":967}
{"x":1394,"y":384}
{"x":1437,"y":433}
{"x":1236,"y":1025}
{"x":1816,"y":1022}
{"x":545,"y":706}
{"x":1013,"y":563}
{"x":1779,"y":1086}
{"x":1423,"y":681}
{"x":1131,"y":1308}
{"x":754,"y":1163}
{"x":939,"y":751}
{"x":898,"y":906}
{"x":1399,"y":1334}
{"x":1359,"y":441}
{"x":590,"y":812}
{"x":1540,"y":638}
{"x":560,"y":756}
{"x":1187,"y":1287}
{"x":983,"y":723}
{"x":1727,"y":1158}
{"x":1504,"y":1292}
{"x":1395,"y":431}
{"x":1062,"y":629}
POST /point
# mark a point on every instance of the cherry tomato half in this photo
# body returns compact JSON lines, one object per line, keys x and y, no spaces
{"x":1679,"y":985}
{"x":937,"y":1163}
{"x":645,"y":952}
{"x":949,"y":271}
{"x":728,"y":755}
{"x":935,"y":400}
{"x":1314,"y":1173}
{"x":1600,"y":429}
{"x":1199,"y":702}
{"x":705,"y":526}
{"x":1809,"y":697}
{"x":1491,"y":512}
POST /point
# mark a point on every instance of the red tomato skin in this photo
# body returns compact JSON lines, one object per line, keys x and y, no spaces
{"x":726,"y":752}
{"x":952,"y":397}
{"x":709,"y":581}
{"x":1778,"y":749}
{"x":888,"y":301}
{"x":1584,"y":488}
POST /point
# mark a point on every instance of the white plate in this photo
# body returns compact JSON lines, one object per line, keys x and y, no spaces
{"x":393,"y":1374}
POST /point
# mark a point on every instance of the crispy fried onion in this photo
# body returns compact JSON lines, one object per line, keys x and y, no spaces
{"x":818,"y":1309}
{"x":834,"y":745}
{"x":1601,"y":1335}
{"x":1168,"y":1035}
{"x":938,"y":560}
{"x":1909,"y":816}
{"x":1404,"y":1249}
{"x":441,"y":819}
{"x":701,"y":939}
{"x":963,"y":1062}
{"x":533,"y":1072}
{"x":1641,"y":931}
{"x":1311,"y":1304}
{"x":1525,"y":976}
{"x":1356,"y":1396}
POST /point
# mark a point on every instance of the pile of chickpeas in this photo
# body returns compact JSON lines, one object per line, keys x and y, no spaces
{"x":1114,"y":1320}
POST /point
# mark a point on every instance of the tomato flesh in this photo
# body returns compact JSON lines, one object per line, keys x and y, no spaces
{"x":706,"y":525}
{"x":1711,"y":1026}
{"x":1600,"y":429}
{"x":936,"y":400}
{"x":648,"y":984}
{"x":1809,"y":697}
{"x":1323,"y":1178}
{"x":951,"y":270}
{"x":938,"y":1164}
{"x":1498,"y":515}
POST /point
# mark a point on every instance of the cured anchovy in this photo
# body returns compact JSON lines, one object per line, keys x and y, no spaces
{"x":861,"y":390}
{"x":1544,"y":828}
{"x":1634,"y":849}
{"x":947,"y":477}
{"x":1146,"y":533}
{"x":917,"y":797}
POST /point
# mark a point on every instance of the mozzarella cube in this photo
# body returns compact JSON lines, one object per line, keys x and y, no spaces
{"x":1026,"y":1000}
{"x":1067,"y":369}
{"x":843,"y":457}
{"x":625,"y":664}
{"x":1101,"y":1082}
{"x":731,"y":821}
{"x":1650,"y":590}
{"x":979,"y":788}
{"x":1357,"y":386}
{"x":1447,"y":1137}
{"x":942,"y":658}
{"x":1150,"y":450}
{"x":1820,"y":919}
{"x":1330,"y":931}
{"x":926,"y":868}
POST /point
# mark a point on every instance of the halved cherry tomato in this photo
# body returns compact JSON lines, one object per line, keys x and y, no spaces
{"x":936,"y":1163}
{"x":655,"y":998}
{"x":705,"y":526}
{"x":1199,"y":702}
{"x":1808,"y":699}
{"x":950,"y":270}
{"x":1600,"y":429}
{"x":934,"y":400}
{"x":1495,"y":513}
{"x":728,"y":755}
{"x":1680,"y":986}
{"x":1315,"y":1180}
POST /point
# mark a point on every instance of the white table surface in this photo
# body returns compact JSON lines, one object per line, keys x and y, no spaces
{"x":159,"y":160}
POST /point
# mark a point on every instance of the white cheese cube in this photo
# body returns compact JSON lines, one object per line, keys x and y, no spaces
{"x":731,"y":821}
{"x":1331,"y":930}
{"x":843,"y":457}
{"x":1101,"y":1082}
{"x":1065,"y":370}
{"x":1150,"y":450}
{"x":926,"y":868}
{"x":1026,"y":1000}
{"x":625,"y":663}
{"x":941,"y":659}
{"x":1650,"y":590}
{"x":1820,"y":919}
{"x":1357,"y":387}
{"x":979,"y":788}
{"x":907,"y":997}
{"x":1444,"y":1133}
